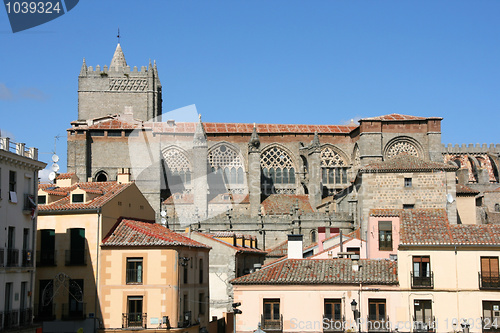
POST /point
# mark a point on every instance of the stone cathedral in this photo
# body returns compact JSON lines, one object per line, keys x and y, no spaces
{"x":269,"y":180}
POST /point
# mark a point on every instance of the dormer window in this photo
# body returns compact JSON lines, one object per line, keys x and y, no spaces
{"x":42,"y":199}
{"x":77,"y":198}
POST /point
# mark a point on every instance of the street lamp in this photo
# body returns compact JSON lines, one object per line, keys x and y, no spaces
{"x":354,"y":308}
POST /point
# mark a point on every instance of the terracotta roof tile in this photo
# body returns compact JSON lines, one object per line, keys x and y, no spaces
{"x":464,"y":190}
{"x":277,"y":204}
{"x":131,"y":232}
{"x":395,"y":117}
{"x":108,"y":190}
{"x":323,"y":271}
{"x":405,"y":162}
{"x":66,"y":175}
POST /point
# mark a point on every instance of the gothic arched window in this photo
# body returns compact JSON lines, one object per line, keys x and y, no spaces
{"x":178,"y":166}
{"x":277,"y":166}
{"x":101,"y":176}
{"x":228,"y":163}
{"x":333,"y":167}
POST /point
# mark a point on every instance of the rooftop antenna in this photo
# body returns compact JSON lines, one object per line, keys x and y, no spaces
{"x":118,"y":36}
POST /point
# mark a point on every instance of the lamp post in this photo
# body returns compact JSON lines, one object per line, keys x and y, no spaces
{"x":355,"y":312}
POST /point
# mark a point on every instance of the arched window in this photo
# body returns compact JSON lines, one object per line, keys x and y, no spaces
{"x":313,"y":236}
{"x":178,"y":166}
{"x":333,"y":167}
{"x":101,"y":176}
{"x":497,"y":207}
{"x":277,"y":166}
{"x":225,"y":160}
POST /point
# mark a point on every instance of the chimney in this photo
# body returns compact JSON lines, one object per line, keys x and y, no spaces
{"x":355,"y":265}
{"x":295,"y":246}
{"x":321,"y":238}
{"x":123,"y":175}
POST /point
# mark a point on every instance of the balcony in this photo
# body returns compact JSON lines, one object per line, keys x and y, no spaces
{"x":74,"y":311}
{"x":12,"y":257}
{"x":333,"y":325}
{"x":378,"y":324}
{"x":25,"y":317}
{"x":45,"y":312}
{"x":422,"y":282}
{"x":46,"y":258}
{"x":424,"y":326}
{"x":27,"y":260}
{"x":11,"y":319}
{"x":272,"y":325}
{"x":489,"y":281}
{"x":134,"y":320}
{"x":76,"y":257}
{"x":29,"y":204}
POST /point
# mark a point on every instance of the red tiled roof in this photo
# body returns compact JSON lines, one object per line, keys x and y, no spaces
{"x":464,"y":190}
{"x":405,"y":162}
{"x":277,"y":204}
{"x":66,"y":175}
{"x":108,"y":189}
{"x":323,"y":271}
{"x":236,"y":247}
{"x":182,"y":199}
{"x":430,"y":227}
{"x":114,"y":124}
{"x":129,"y":232}
{"x":395,"y":117}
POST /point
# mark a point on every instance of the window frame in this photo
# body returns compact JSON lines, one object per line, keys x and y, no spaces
{"x":333,"y":303}
{"x":377,"y":315}
{"x":408,"y":182}
{"x":134,"y":265}
{"x":385,"y":244}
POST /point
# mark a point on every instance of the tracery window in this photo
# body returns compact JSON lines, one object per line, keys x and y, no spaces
{"x":228,"y":163}
{"x":333,"y":167}
{"x":402,"y":147}
{"x":277,"y":166}
{"x":178,"y":165}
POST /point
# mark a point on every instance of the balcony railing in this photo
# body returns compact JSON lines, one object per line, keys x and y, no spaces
{"x":422,"y":282}
{"x":275,"y":325}
{"x":76,"y":257}
{"x":490,"y":325}
{"x":27,"y":258}
{"x":46,"y":258}
{"x":11,"y":319}
{"x":134,"y":319}
{"x":378,"y":324}
{"x":45,"y":312}
{"x":425,"y":326}
{"x":25,"y":317}
{"x":74,"y":311}
{"x":134,"y":276}
{"x":333,"y":325}
{"x":29,"y":203}
{"x":2,"y":256}
{"x":489,"y":281}
{"x":12,"y":257}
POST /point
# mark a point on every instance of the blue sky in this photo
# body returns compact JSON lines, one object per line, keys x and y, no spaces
{"x":280,"y":61}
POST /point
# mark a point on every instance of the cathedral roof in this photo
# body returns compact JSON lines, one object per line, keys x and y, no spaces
{"x":278,"y":204}
{"x":406,"y":162}
{"x":118,"y":58}
{"x":397,"y":117}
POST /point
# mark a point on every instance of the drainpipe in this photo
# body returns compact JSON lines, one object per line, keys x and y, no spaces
{"x":99,"y":211}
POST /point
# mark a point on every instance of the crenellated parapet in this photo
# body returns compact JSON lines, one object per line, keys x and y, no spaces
{"x":471,"y":148}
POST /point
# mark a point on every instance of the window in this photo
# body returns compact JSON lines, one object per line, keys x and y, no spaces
{"x":45,"y":297}
{"x":26,"y":255}
{"x":75,"y":299}
{"x":185,"y":275}
{"x":491,"y":316}
{"x":227,"y":163}
{"x":277,"y":167}
{"x":422,"y":318}
{"x":177,"y":169}
{"x":201,"y":271}
{"x":77,"y":198}
{"x":313,"y":236}
{"x":333,"y":309}
{"x":489,"y":273}
{"x":497,"y":207}
{"x":97,"y":133}
{"x":408,"y":206}
{"x":422,"y":275}
{"x":12,"y":186}
{"x":333,"y":167}
{"x":114,"y":133}
{"x":134,"y":316}
{"x":355,"y":250}
{"x":47,"y":247}
{"x":385,"y":235}
{"x":76,"y":253}
{"x":408,"y":182}
{"x":376,"y":310}
{"x":101,"y":176}
{"x":12,"y":253}
{"x":134,"y":271}
{"x":42,"y":199}
{"x":201,"y":303}
{"x":271,"y":317}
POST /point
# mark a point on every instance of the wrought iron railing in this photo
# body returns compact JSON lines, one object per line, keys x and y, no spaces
{"x":331,"y":324}
{"x":74,"y":311}
{"x":424,"y":282}
{"x":45,"y":312}
{"x":272,"y":324}
{"x":428,"y":325}
{"x":12,"y":257}
{"x":11,"y":319}
{"x":27,"y":258}
{"x":489,"y":281}
{"x":134,"y":319}
{"x":378,"y":324}
{"x":46,"y":258}
{"x":76,"y":257}
{"x":25,"y":316}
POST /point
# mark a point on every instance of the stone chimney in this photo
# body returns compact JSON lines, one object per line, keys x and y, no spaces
{"x":123,"y":175}
{"x":295,"y":247}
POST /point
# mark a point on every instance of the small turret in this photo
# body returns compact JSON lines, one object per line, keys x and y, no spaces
{"x":118,"y":58}
{"x":200,"y":136}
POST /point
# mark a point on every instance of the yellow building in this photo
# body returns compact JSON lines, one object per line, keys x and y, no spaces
{"x":73,"y":219}
{"x":152,"y":277}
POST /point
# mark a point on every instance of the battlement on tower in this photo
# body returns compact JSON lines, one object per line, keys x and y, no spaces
{"x":471,"y":148}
